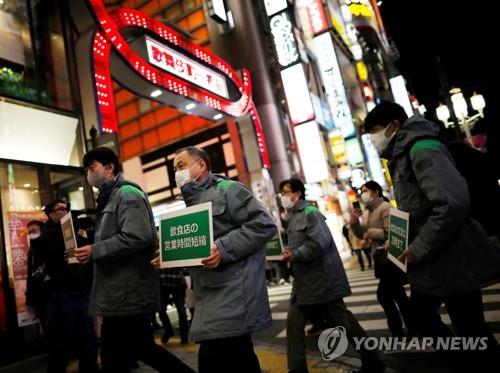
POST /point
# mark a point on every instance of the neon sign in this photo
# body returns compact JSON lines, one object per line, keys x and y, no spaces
{"x":284,"y":39}
{"x":109,"y":36}
{"x":169,"y":60}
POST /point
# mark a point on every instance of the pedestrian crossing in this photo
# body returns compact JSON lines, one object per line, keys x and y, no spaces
{"x":365,"y":307}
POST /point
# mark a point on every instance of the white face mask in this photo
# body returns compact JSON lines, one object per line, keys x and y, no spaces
{"x":95,"y":179}
{"x":184,"y":176}
{"x":366,"y":197}
{"x":380,"y":141}
{"x":34,"y":236}
{"x":286,"y":202}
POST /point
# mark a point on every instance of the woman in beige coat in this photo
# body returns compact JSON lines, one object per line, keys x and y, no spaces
{"x":390,"y":291}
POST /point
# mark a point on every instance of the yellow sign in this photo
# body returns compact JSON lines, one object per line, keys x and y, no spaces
{"x":362,"y":71}
{"x":360,"y":10}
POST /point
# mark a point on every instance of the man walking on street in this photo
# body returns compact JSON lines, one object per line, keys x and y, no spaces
{"x":125,"y":289}
{"x":320,"y":280}
{"x":230,"y":289}
{"x":68,"y":287}
{"x":450,"y":258}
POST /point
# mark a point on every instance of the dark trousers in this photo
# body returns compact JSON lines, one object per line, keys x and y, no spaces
{"x":368,"y":254}
{"x":228,"y":355}
{"x":128,"y":338}
{"x":178,"y":294}
{"x":467,"y":317}
{"x":336,"y":314}
{"x":392,"y":297}
{"x":69,"y":327}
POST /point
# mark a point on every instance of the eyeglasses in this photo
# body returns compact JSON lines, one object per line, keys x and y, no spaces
{"x":60,"y":209}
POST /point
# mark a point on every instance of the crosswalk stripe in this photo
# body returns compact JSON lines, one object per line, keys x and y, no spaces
{"x":363,"y":288}
{"x":280,"y":315}
{"x":279,"y":298}
{"x":363,"y":283}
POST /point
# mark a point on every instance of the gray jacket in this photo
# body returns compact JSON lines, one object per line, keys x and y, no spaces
{"x":319,"y":273}
{"x":232,"y":299}
{"x":125,"y":281}
{"x":452,"y":250}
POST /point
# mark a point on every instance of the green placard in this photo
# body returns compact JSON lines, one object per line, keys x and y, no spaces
{"x":274,"y":248}
{"x":186,"y":236}
{"x":398,"y":236}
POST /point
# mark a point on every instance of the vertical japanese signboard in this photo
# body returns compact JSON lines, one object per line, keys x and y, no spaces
{"x":186,"y":236}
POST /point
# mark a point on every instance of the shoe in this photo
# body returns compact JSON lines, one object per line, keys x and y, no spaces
{"x":282,"y":281}
{"x":166,"y":336}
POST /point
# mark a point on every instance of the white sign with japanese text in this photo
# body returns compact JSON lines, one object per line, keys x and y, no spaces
{"x":176,"y":63}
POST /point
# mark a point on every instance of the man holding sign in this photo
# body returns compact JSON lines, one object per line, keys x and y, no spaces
{"x":230,"y":288}
{"x":125,"y":291}
{"x":449,"y":256}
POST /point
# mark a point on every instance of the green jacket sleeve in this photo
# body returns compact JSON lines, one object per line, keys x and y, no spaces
{"x":134,"y":230}
{"x":318,"y":238}
{"x":254,"y":227}
{"x":440,"y":181}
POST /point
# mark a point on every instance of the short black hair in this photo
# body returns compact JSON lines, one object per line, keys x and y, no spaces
{"x":383,"y":114}
{"x":36,"y":222}
{"x":50,"y":206}
{"x":296,"y":185}
{"x":197,"y":153}
{"x":102,"y":155}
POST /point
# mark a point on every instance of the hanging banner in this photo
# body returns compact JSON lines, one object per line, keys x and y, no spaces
{"x":18,"y":260}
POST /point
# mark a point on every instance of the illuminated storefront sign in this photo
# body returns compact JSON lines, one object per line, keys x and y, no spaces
{"x":275,"y":6}
{"x":373,"y":158}
{"x":297,"y":94}
{"x":311,"y":152}
{"x":333,"y":83}
{"x":313,"y":16}
{"x":217,"y":10}
{"x":284,"y":39}
{"x":400,"y":94}
{"x":169,"y":60}
{"x":107,"y":38}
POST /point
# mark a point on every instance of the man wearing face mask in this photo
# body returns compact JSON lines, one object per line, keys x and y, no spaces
{"x":67,"y":320}
{"x":125,"y":291}
{"x":320,"y":282}
{"x":230,"y":288}
{"x":450,"y":258}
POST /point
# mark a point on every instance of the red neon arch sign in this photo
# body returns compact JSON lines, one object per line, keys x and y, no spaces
{"x":109,"y":36}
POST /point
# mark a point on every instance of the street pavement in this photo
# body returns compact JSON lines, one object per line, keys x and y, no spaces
{"x":270,"y":345}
